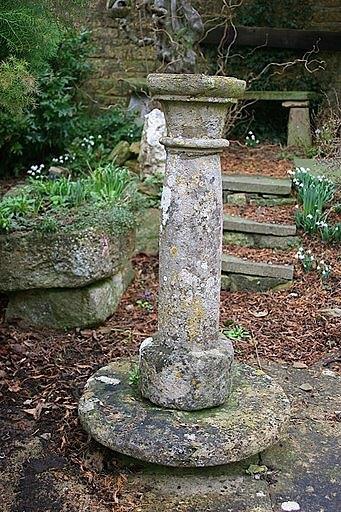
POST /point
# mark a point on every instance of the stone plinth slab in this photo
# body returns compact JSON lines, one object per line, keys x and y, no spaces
{"x":256,"y":184}
{"x":235,"y":265}
{"x":114,"y":413}
{"x":244,"y":225}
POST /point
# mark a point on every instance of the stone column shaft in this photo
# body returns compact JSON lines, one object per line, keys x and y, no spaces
{"x":187,"y":364}
{"x":191,"y":224}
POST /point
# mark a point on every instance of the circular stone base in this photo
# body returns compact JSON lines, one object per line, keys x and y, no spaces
{"x":114,"y":413}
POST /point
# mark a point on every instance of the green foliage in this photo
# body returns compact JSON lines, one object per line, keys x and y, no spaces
{"x":309,"y":263}
{"x":251,"y":141}
{"x":17,"y":86}
{"x":28,"y":30}
{"x":284,"y":14}
{"x":59,"y":126}
{"x":30,"y":35}
{"x":134,"y":376}
{"x":109,"y":185}
{"x":236,"y":332}
{"x":145,"y":304}
{"x":314,"y":193}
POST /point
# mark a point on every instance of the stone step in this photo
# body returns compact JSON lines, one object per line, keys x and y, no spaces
{"x":234,"y":265}
{"x":256,"y":184}
{"x":245,"y":275}
{"x":243,"y":225}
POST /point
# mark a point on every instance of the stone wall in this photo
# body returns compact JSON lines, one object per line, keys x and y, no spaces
{"x":118,"y":62}
{"x":327,"y":16}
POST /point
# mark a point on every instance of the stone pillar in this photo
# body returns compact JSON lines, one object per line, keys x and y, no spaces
{"x":187,"y":364}
{"x":299,"y":132}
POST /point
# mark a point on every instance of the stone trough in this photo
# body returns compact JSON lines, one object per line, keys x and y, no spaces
{"x":72,"y":278}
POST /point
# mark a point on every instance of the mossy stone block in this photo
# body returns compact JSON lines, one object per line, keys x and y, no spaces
{"x":67,"y":308}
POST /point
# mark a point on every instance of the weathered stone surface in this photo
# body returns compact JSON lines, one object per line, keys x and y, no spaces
{"x":67,"y":308}
{"x":256,"y":184}
{"x":196,"y":87}
{"x":223,"y":489}
{"x":272,"y":201}
{"x":188,"y":348}
{"x":147,"y":235}
{"x":236,"y":199}
{"x":234,"y":265}
{"x":55,"y":172}
{"x":303,"y":467}
{"x":116,"y":415}
{"x":276,"y":242}
{"x":240,"y":282}
{"x":121,"y":152}
{"x":197,"y":378}
{"x":64,"y":259}
{"x":280,"y":95}
{"x":241,"y":239}
{"x":243,"y":225}
{"x":152,"y":155}
{"x":261,"y":241}
{"x":299,"y":131}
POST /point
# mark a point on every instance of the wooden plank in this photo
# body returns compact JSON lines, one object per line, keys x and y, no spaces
{"x":275,"y":38}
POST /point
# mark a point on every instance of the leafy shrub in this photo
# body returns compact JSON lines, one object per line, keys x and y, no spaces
{"x":60,"y":124}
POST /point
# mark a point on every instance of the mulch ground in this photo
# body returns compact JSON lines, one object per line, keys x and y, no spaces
{"x":265,"y":160}
{"x":43,"y":372}
{"x":270,"y":214}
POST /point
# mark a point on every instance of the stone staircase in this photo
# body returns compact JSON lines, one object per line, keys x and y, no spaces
{"x":243,"y":274}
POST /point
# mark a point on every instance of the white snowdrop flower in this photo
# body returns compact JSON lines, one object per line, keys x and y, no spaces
{"x":253,"y":137}
{"x":34,"y":167}
{"x":257,"y":141}
{"x":99,"y":137}
{"x":247,"y":138}
{"x":250,"y":132}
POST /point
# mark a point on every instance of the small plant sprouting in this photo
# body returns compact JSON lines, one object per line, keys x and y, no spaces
{"x":236,"y":332}
{"x":145,"y":304}
{"x":251,"y":141}
{"x":48,"y":225}
{"x":134,"y":376}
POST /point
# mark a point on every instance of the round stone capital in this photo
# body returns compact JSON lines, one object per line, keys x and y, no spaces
{"x":185,"y":87}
